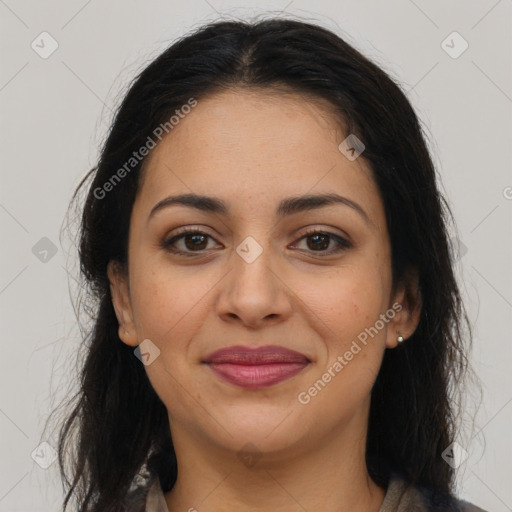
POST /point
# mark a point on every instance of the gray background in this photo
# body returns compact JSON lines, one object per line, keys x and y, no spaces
{"x":55,"y":113}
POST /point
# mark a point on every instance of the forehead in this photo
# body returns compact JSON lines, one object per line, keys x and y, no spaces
{"x":241,"y":122}
{"x":256,"y":143}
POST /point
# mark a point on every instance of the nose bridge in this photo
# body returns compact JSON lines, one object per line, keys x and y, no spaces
{"x":252,"y":263}
{"x":253,"y":291}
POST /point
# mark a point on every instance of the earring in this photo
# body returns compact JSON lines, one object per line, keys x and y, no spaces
{"x":399,"y":338}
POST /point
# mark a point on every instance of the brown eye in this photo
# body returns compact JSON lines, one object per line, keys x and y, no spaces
{"x":319,"y":241}
{"x":195,"y":241}
{"x":188,"y":241}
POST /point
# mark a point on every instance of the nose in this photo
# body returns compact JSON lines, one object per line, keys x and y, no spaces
{"x":253,"y":293}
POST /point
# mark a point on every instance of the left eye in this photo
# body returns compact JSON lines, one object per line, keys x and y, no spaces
{"x":319,"y":241}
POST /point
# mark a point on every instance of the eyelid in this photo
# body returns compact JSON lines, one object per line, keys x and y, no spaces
{"x":328,"y":230}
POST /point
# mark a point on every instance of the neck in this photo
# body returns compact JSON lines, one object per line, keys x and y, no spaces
{"x":331,"y":476}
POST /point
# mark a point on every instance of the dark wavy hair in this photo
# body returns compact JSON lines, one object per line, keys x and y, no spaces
{"x":117,"y":424}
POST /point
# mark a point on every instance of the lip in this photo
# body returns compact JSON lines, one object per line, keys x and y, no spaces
{"x":255,"y":368}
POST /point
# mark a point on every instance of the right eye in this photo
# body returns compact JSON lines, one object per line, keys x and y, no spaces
{"x":191,"y":241}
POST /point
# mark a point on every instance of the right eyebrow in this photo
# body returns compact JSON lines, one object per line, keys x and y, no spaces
{"x":203,"y":203}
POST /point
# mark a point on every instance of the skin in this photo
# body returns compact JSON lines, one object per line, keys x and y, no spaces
{"x":252,"y":149}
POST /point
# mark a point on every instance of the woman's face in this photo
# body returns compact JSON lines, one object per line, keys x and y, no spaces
{"x":266,"y":270}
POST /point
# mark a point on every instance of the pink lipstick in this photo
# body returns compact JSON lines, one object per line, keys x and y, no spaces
{"x":255,"y":368}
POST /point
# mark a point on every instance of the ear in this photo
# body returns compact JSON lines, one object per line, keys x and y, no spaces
{"x":406,"y":302}
{"x":120,"y":292}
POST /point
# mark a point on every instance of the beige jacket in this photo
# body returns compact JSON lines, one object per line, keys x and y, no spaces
{"x":396,"y":500}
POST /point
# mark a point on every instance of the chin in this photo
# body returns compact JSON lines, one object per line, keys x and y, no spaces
{"x":266,"y":431}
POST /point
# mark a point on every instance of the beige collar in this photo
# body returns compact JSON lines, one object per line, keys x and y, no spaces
{"x":397,"y":499}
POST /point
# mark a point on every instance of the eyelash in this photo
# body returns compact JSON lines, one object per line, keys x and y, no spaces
{"x":167,"y":244}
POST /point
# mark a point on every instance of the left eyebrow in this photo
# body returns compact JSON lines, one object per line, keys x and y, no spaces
{"x":292,"y":205}
{"x":288,"y":206}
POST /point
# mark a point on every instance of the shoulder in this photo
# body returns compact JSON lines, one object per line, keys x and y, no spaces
{"x":145,"y":495}
{"x":135,"y":500}
{"x":155,"y":499}
{"x":146,"y":498}
{"x":403,"y":498}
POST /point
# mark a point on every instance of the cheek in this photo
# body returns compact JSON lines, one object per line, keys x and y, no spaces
{"x":353,"y":351}
{"x":359,"y":308}
{"x":348,"y":304}
{"x":348,"y":300}
{"x":167,"y":305}
{"x":169,"y":310}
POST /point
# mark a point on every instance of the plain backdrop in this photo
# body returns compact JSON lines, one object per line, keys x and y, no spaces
{"x":55,"y":111}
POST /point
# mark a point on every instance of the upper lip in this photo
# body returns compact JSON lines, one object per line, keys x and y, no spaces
{"x":269,"y":354}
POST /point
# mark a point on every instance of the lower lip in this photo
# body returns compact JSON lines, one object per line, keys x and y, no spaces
{"x":256,"y":376}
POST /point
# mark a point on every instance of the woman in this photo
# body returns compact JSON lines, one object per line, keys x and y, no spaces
{"x":278,"y":326}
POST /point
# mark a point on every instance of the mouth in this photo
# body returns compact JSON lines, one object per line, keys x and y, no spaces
{"x":256,"y":368}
